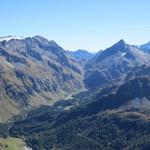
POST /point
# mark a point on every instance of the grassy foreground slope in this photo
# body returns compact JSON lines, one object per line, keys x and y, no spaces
{"x":12,"y":144}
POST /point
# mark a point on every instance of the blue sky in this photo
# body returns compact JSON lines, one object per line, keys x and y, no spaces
{"x":85,"y":24}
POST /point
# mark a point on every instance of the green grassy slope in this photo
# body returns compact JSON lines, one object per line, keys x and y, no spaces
{"x":12,"y":144}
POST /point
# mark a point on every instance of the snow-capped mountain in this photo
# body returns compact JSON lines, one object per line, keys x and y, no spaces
{"x":8,"y":38}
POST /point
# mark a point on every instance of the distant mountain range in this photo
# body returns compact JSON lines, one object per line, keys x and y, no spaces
{"x":82,"y":55}
{"x":35,"y":71}
{"x":58,"y":99}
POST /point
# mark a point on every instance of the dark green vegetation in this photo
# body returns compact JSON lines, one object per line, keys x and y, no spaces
{"x":102,"y":131}
{"x":4,"y":130}
{"x":109,"y":122}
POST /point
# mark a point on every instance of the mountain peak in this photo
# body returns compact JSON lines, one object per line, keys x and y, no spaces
{"x":46,"y":41}
{"x":121,"y":42}
{"x":120,"y":46}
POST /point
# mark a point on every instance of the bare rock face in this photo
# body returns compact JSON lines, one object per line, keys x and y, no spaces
{"x":35,"y":71}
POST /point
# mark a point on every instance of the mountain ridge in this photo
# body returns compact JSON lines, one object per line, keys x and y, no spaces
{"x":113,"y":62}
{"x":145,"y":47}
{"x":35,"y":71}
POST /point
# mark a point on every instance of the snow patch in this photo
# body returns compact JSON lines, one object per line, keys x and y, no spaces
{"x":8,"y":38}
{"x":123,"y":54}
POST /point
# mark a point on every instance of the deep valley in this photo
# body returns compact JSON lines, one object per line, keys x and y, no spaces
{"x":55,"y":99}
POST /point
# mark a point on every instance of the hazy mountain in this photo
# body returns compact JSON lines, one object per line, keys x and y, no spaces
{"x":33,"y":72}
{"x":113,"y":63}
{"x":145,"y":47}
{"x":82,"y":55}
